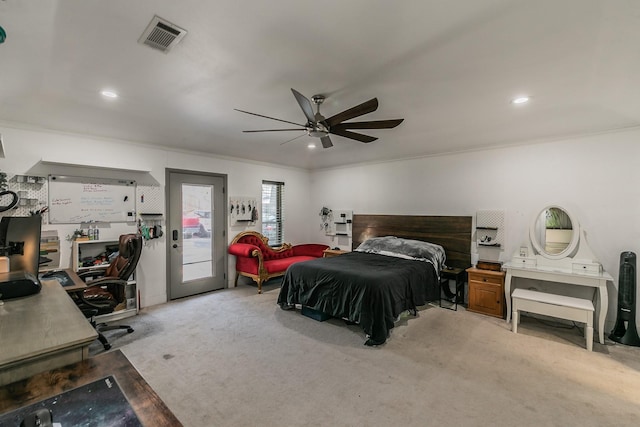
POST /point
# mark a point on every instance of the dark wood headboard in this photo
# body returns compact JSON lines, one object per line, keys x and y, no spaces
{"x":453,"y":233}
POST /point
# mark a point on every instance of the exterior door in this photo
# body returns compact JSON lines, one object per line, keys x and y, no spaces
{"x":196,"y":250}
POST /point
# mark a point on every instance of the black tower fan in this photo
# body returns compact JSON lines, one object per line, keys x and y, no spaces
{"x":626,"y":302}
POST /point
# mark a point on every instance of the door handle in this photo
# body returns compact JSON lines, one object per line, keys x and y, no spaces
{"x":175,"y":235}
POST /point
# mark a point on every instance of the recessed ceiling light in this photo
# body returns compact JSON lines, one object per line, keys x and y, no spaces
{"x":109,"y":94}
{"x":311,"y":145}
{"x":520,"y":100}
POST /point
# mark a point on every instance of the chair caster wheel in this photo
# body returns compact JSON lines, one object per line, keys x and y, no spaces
{"x":107,"y":347}
{"x":130,"y":330}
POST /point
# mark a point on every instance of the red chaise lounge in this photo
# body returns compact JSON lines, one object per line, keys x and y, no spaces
{"x":257,"y":260}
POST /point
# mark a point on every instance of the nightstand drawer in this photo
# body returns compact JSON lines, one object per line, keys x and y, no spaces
{"x":485,"y":278}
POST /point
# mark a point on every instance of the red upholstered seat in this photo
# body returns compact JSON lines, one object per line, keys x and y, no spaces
{"x":257,"y":260}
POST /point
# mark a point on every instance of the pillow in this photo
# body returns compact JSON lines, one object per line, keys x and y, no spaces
{"x":406,"y":248}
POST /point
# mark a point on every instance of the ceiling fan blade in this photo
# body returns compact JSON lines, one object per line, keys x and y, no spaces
{"x":352,"y":135}
{"x":305,"y":104}
{"x":364,"y":108}
{"x":272,"y":118}
{"x":271,"y":130}
{"x":375,"y":124}
{"x":289,"y":140}
{"x":326,"y":142}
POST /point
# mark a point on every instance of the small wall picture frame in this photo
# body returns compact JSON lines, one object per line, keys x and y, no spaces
{"x":524,"y":251}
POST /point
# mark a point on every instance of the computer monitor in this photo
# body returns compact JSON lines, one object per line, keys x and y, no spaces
{"x":20,"y":242}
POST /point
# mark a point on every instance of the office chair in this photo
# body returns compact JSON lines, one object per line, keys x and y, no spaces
{"x":105,"y":292}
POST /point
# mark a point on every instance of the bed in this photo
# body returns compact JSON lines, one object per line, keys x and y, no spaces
{"x":392,"y":272}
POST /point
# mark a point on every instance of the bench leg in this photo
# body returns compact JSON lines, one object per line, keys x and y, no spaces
{"x":514,"y":321}
{"x":588,"y":331}
{"x":589,"y":337}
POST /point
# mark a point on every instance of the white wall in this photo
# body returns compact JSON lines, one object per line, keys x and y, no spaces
{"x":596,"y":177}
{"x":25,"y":150}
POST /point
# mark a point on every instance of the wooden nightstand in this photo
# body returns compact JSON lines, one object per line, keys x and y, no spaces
{"x":328,"y":253}
{"x":486,"y":292}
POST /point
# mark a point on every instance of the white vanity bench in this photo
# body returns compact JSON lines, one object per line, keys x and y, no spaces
{"x":570,"y":308}
{"x":564,"y":260}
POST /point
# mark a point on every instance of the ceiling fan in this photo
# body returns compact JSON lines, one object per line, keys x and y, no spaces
{"x":319,"y":127}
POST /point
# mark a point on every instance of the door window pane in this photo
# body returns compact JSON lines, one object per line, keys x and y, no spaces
{"x":197,"y":254}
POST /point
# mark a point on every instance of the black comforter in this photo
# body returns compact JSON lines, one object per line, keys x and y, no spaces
{"x":369,"y":289}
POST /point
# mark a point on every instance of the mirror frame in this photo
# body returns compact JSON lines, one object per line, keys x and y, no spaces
{"x":575,"y":237}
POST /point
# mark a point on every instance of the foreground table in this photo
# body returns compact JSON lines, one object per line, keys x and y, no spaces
{"x":41,"y":332}
{"x":147,"y":405}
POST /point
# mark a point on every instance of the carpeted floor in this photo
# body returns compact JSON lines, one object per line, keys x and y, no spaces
{"x":233,"y":358}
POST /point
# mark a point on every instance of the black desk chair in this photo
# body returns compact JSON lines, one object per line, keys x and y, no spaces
{"x":106,"y":286}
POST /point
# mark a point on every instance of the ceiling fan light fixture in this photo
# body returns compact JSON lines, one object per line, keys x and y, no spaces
{"x":317,"y":133}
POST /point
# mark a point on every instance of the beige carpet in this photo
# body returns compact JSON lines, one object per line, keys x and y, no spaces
{"x":233,"y":358}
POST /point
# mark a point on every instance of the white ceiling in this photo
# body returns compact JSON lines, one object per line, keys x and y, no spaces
{"x":448,"y":67}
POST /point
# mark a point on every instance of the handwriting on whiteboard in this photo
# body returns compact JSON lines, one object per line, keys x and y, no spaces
{"x":94,"y":188}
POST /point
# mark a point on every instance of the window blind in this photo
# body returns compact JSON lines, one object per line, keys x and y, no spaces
{"x":272,"y":216}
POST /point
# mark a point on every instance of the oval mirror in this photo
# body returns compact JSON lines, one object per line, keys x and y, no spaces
{"x":554,"y":232}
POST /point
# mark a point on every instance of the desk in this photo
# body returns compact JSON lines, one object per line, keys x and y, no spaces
{"x":148,"y":406}
{"x":78,"y":283}
{"x":41,"y":332}
{"x":561,"y":275}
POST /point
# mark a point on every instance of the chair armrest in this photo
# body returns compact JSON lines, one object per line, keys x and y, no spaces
{"x":244,"y":250}
{"x":114,"y":285}
{"x":309,"y":249}
{"x":93,"y":272}
{"x":108,"y":280}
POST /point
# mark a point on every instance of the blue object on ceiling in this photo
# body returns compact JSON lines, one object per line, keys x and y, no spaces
{"x":3,"y":35}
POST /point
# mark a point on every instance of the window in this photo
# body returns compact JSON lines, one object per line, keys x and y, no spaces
{"x":272,"y":202}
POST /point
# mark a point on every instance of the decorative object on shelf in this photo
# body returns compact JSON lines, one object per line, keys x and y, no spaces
{"x":489,"y":265}
{"x":76,"y":235}
{"x":338,"y":224}
{"x":150,"y":226}
{"x":625,"y":330}
{"x":490,"y":228}
{"x":326,"y":215}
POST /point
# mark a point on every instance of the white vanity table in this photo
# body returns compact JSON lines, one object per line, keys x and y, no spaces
{"x":558,"y":275}
{"x":566,"y":259}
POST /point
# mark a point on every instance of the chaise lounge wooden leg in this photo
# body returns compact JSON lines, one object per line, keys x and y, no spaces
{"x":259,"y":286}
{"x":235,"y":283}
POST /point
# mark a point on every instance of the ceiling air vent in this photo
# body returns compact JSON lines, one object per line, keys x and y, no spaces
{"x":161,"y":34}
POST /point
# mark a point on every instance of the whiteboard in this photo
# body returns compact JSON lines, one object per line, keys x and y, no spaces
{"x":75,"y":199}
